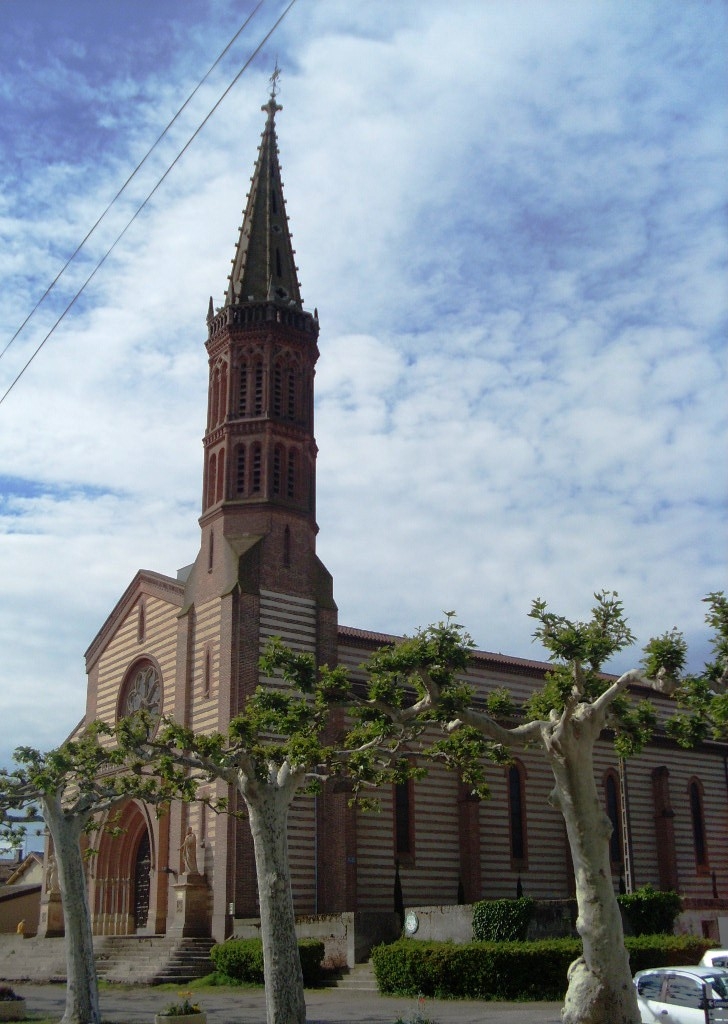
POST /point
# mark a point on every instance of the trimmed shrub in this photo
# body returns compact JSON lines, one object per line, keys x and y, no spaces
{"x":476,"y":970}
{"x":647,"y":951}
{"x":242,"y":960}
{"x":649,"y":911}
{"x":508,"y":970}
{"x":503,"y":920}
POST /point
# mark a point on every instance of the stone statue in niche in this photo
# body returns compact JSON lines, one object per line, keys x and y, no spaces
{"x":188,"y":850}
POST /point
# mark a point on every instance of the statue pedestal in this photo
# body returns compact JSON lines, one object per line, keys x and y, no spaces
{"x":192,"y":907}
{"x":50,"y":922}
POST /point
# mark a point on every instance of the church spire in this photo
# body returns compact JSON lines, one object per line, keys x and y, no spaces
{"x":263,"y":267}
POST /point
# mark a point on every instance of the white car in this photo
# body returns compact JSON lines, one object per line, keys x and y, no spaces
{"x":683,"y":995}
{"x":715,"y":958}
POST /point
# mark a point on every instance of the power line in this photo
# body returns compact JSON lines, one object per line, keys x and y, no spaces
{"x":139,"y":209}
{"x":131,"y":177}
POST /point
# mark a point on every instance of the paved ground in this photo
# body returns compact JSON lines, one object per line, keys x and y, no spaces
{"x":325,"y":1006}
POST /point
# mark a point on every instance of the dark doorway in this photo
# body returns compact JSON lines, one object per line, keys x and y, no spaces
{"x":141,"y":883}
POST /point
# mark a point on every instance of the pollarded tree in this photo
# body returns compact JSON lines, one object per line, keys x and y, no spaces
{"x":289,"y":739}
{"x":67,"y":789}
{"x":565,"y":719}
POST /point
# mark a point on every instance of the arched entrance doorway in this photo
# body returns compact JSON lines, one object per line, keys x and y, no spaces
{"x":123,"y":890}
{"x":142,"y":864}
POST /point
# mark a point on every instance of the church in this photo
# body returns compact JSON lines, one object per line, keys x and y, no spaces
{"x":188,"y":648}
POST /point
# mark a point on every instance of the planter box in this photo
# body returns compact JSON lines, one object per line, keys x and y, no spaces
{"x":185,"y":1018}
{"x":12,"y":1009}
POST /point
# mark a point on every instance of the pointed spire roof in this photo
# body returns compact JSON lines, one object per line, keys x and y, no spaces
{"x":264,"y":268}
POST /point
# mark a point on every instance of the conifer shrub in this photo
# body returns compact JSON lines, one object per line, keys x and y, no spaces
{"x":503,"y":920}
{"x":649,"y":911}
{"x":242,"y":960}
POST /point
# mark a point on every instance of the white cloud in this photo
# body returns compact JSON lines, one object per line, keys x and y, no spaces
{"x":509,"y":219}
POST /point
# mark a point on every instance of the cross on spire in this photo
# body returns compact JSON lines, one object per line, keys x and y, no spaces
{"x":271,"y":106}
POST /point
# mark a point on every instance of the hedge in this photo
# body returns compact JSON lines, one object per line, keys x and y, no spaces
{"x":242,"y":960}
{"x":507,"y":970}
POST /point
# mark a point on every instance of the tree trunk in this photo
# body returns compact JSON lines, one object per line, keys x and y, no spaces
{"x":82,"y":990}
{"x":600,"y":982}
{"x":268,"y":813}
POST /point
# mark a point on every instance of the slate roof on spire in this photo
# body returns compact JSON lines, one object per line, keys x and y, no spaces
{"x":264,"y":268}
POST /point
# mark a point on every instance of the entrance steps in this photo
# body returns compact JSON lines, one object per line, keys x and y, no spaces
{"x":137,"y":959}
{"x":152,"y":960}
{"x":359,"y":978}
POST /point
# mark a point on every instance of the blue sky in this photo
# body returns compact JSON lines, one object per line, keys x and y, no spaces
{"x":512,"y":220}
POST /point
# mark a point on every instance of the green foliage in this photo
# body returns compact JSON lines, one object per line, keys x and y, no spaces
{"x":477,"y":970}
{"x":242,"y":960}
{"x":589,"y":643}
{"x":649,"y":911}
{"x":503,"y":920}
{"x":646,"y":951}
{"x":508,"y":970}
{"x":665,"y":654}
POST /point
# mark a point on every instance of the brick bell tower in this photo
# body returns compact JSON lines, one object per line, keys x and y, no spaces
{"x":257,"y":573}
{"x":260,"y":451}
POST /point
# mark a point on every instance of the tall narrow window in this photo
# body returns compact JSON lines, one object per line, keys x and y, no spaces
{"x":220,"y":492}
{"x":215,"y":397}
{"x":664,"y":830}
{"x":222,"y":403}
{"x":291,"y":394}
{"x":698,"y":820}
{"x":240,"y":470}
{"x":141,"y":623}
{"x":243,"y":390}
{"x":277,"y":468}
{"x":206,"y":670}
{"x":403,"y":822}
{"x":211,"y":479}
{"x":211,"y":551}
{"x":257,"y":470}
{"x":517,"y":815}
{"x":258,"y":385}
{"x":291,"y":474}
{"x":612,"y":801}
{"x":278,"y":390}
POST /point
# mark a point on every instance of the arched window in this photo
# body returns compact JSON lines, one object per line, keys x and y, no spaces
{"x":206,"y":673}
{"x":215,"y":396}
{"x":612,"y":802}
{"x":277,"y":468}
{"x":695,"y":792}
{"x":517,"y":815}
{"x":664,"y":829}
{"x":222,"y":401}
{"x":220,"y":492}
{"x":257,"y":470}
{"x":404,"y":831}
{"x":211,"y":551}
{"x":258,"y":389}
{"x":291,"y":473}
{"x":243,"y":390}
{"x":211,"y":479}
{"x":278,"y":389}
{"x":240,"y":454}
{"x":291,"y":393}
